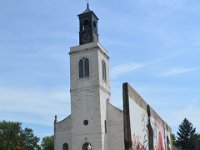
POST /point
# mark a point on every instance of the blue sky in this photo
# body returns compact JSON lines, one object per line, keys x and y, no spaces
{"x":153,"y":44}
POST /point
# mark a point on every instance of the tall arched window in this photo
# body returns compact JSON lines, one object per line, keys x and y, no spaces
{"x":84,"y":68}
{"x":65,"y":146}
{"x":104,"y":70}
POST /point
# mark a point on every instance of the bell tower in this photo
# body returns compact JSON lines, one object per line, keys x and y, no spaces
{"x":88,"y":26}
{"x":89,"y":87}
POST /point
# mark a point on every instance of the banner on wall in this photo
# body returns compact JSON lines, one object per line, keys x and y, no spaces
{"x":143,"y":127}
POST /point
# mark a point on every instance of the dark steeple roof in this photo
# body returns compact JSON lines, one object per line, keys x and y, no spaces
{"x":87,"y":9}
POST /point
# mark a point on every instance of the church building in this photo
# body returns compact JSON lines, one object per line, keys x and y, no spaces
{"x":94,"y":123}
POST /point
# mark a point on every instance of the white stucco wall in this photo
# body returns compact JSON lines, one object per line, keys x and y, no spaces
{"x":88,"y":96}
{"x":115,"y":128}
{"x":89,"y":101}
{"x":112,"y":140}
{"x":62,"y":133}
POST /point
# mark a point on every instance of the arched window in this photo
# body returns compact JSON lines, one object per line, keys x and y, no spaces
{"x":84,"y":68}
{"x":104,"y":70}
{"x":86,"y":24}
{"x":65,"y":146}
{"x":87,"y":146}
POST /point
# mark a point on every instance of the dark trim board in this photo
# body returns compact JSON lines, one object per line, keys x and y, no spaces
{"x":127,"y":128}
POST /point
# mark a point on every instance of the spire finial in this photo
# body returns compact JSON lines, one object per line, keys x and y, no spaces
{"x":55,"y":120}
{"x":88,"y":7}
{"x":87,"y":1}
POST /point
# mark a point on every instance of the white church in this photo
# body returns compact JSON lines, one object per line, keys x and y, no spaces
{"x":94,"y":123}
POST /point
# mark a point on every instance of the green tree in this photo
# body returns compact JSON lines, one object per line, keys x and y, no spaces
{"x":197,"y":141}
{"x":13,"y":137}
{"x":28,"y":141}
{"x":174,"y":139}
{"x":48,"y":143}
{"x":186,"y":133}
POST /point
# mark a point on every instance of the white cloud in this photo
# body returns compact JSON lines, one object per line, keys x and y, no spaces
{"x":33,"y":106}
{"x":124,"y":68}
{"x":178,"y":70}
{"x":133,"y":66}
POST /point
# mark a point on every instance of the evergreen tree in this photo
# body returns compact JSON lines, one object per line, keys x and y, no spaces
{"x":197,"y":141}
{"x":186,"y":134}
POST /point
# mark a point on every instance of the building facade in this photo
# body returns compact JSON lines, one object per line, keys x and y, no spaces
{"x":94,"y":123}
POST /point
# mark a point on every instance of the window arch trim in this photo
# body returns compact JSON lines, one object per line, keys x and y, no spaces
{"x":84,"y":67}
{"x":104,"y":71}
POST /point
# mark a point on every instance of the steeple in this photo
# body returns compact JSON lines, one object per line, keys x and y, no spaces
{"x":88,"y":23}
{"x":87,"y":8}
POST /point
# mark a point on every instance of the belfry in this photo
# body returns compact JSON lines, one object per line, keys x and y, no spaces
{"x":88,"y":27}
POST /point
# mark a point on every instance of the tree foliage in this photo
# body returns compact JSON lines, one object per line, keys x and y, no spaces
{"x":13,"y":137}
{"x":48,"y":143}
{"x":173,"y":139}
{"x":186,"y":137}
{"x":197,"y":141}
